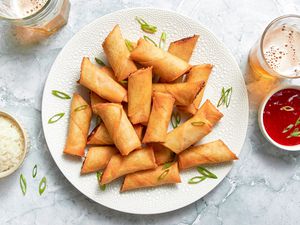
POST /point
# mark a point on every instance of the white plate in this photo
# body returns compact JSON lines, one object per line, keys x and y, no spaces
{"x":65,"y":72}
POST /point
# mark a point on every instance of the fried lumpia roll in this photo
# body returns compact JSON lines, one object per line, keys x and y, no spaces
{"x":99,"y":136}
{"x":139,"y":130}
{"x":80,"y":118}
{"x":196,"y":74}
{"x":166,"y":65}
{"x":194,"y":129}
{"x":139,"y":95}
{"x":118,"y":54}
{"x":183,"y":48}
{"x":162,"y":154}
{"x":97,"y":158}
{"x":210,"y":153}
{"x":159,"y":118}
{"x":151,"y":178}
{"x":141,"y":159}
{"x":95,"y":99}
{"x":119,"y":128}
{"x":98,"y":81}
{"x":184,"y":93}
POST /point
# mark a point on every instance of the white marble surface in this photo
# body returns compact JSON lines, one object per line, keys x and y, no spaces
{"x":263,"y":186}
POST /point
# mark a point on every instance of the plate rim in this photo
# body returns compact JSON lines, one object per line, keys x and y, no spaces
{"x":184,"y":17}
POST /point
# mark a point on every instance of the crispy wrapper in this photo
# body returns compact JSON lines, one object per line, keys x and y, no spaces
{"x":95,"y":99}
{"x":141,"y":159}
{"x":211,"y":153}
{"x":151,"y":178}
{"x":80,"y":118}
{"x":162,"y":154}
{"x":139,"y":95}
{"x":97,"y":158}
{"x":100,"y":136}
{"x":188,"y":133}
{"x":119,"y":128}
{"x":98,"y":81}
{"x":160,"y":116}
{"x":166,"y":65}
{"x":184,"y":93}
{"x":118,"y":55}
{"x":184,"y":48}
{"x":139,"y":130}
{"x":197,"y":73}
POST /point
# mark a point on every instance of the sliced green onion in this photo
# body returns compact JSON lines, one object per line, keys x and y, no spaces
{"x":79,"y":108}
{"x":23,"y":184}
{"x":288,"y":128}
{"x":60,"y":94}
{"x":225,"y":97}
{"x":99,"y":61}
{"x":163,"y":174}
{"x":150,"y":40}
{"x":42,"y":185}
{"x":124,"y":81}
{"x":129,"y":45}
{"x":198,"y":123}
{"x":99,"y":175}
{"x":167,"y":165}
{"x":206,"y":172}
{"x":295,"y":133}
{"x":162,"y":39}
{"x":34,"y":171}
{"x":175,"y":119}
{"x":297,"y":122}
{"x":287,"y":108}
{"x":145,"y":26}
{"x":56,"y":117}
{"x":196,"y":180}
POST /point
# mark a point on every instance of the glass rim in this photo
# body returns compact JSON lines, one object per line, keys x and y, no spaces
{"x":263,"y":38}
{"x":27,"y":17}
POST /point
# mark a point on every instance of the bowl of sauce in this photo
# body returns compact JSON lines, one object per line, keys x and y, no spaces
{"x":13,"y":144}
{"x":279,"y":117}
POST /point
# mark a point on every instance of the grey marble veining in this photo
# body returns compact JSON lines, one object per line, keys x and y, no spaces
{"x":263,"y":186}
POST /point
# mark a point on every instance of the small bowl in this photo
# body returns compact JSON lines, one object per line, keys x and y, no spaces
{"x":13,"y":169}
{"x":261,"y":123}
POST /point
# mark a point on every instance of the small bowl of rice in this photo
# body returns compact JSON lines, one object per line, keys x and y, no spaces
{"x":13,"y":144}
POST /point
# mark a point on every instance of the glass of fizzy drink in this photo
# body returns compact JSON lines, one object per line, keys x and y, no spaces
{"x":277,"y":53}
{"x":45,"y":16}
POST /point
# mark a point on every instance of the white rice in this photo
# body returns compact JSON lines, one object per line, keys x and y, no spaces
{"x":11,"y":144}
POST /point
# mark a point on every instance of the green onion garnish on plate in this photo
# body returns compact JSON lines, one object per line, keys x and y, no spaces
{"x":198,"y":123}
{"x":175,"y":119}
{"x":129,"y":45}
{"x":99,"y":61}
{"x":79,"y":108}
{"x":99,"y":175}
{"x":56,"y":118}
{"x":196,"y":180}
{"x":150,"y":40}
{"x":162,"y":40}
{"x":60,"y":94}
{"x":225,"y":97}
{"x":146,"y":27}
{"x":205,"y":172}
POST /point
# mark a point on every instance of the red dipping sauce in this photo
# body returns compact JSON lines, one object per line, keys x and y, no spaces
{"x":281,"y":117}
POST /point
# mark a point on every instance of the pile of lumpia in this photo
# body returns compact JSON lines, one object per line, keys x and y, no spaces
{"x":131,"y":139}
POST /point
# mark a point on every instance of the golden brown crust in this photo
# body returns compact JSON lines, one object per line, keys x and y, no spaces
{"x":99,"y":136}
{"x":162,"y":154}
{"x":98,"y":81}
{"x":159,"y":118}
{"x":118,"y":55}
{"x":187,"y":134}
{"x":151,"y":178}
{"x":97,"y":158}
{"x":166,"y":65}
{"x":119,"y":127}
{"x":210,"y":153}
{"x":141,"y":159}
{"x":78,"y":126}
{"x":139,"y":95}
{"x":184,"y":47}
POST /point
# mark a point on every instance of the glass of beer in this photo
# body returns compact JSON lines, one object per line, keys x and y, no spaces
{"x":275,"y":56}
{"x":36,"y":16}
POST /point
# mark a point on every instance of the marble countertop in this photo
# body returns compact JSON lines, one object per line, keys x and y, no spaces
{"x":263,"y":186}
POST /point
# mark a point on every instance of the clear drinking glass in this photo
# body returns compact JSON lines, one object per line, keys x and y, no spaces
{"x":43,"y":16}
{"x":275,"y":56}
